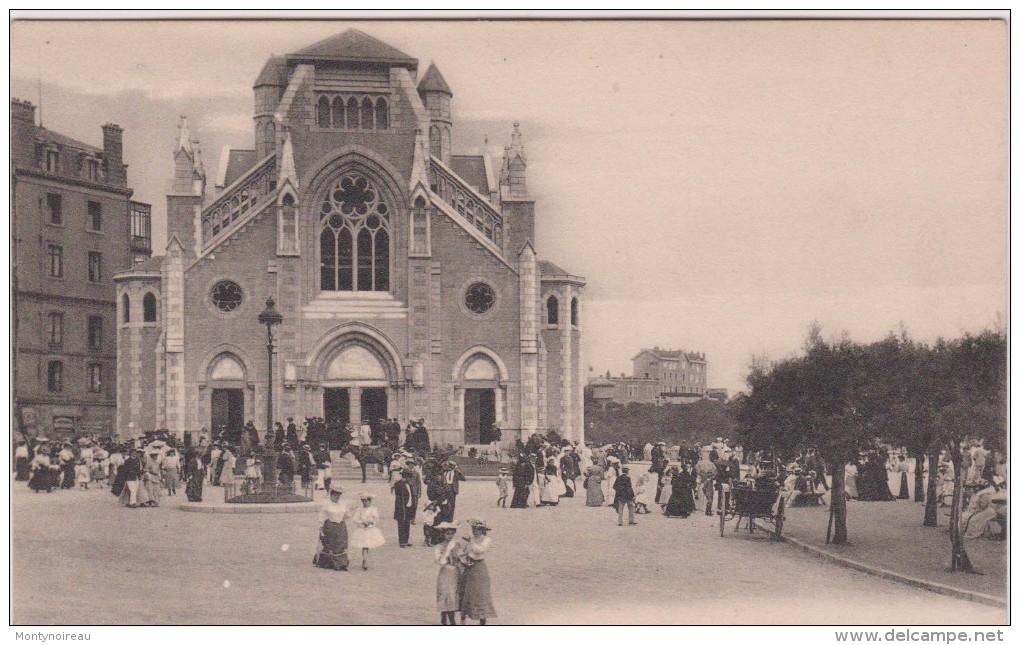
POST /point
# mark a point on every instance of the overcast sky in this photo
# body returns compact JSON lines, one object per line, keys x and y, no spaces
{"x":721,"y":185}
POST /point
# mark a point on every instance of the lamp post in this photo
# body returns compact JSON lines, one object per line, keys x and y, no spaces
{"x":269,"y":317}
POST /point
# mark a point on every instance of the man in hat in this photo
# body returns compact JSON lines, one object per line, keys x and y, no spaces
{"x":306,"y":463}
{"x":658,"y":466}
{"x":403,"y":508}
{"x":452,"y":477}
{"x":625,"y":496}
{"x":523,"y":474}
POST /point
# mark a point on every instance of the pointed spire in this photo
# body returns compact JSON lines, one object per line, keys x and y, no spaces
{"x":516,"y":146}
{"x":184,"y":136}
{"x":433,"y":81}
{"x":199,"y":168}
{"x":419,"y":170}
{"x":287,"y":171}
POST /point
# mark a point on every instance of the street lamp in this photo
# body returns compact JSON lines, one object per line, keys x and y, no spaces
{"x":269,"y":317}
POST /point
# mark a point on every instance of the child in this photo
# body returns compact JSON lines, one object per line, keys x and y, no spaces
{"x":82,"y":475}
{"x":503,"y":484}
{"x":366,"y":534}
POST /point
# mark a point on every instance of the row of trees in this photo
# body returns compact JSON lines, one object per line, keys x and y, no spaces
{"x":638,"y":423}
{"x":841,"y":396}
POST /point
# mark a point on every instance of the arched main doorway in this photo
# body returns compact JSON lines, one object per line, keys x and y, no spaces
{"x":355,"y":386}
{"x":479,"y":375}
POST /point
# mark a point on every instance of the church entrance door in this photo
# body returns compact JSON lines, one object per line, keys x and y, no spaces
{"x":479,"y":415}
{"x":336,"y":405}
{"x":373,"y":404}
{"x":227,"y":411}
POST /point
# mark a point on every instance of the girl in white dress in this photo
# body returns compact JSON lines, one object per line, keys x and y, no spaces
{"x":366,"y":534}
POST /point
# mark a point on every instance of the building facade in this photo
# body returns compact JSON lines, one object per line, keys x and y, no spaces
{"x":74,"y":225}
{"x":408,"y":276}
{"x":660,"y":377}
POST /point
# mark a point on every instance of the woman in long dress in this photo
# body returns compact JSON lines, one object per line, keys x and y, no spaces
{"x":552,"y":485}
{"x":850,"y":480}
{"x":23,"y":463}
{"x":447,"y":556}
{"x":171,"y":471}
{"x":366,"y":534}
{"x":229,"y":461}
{"x":475,"y":587}
{"x":646,"y":485}
{"x":593,"y":486}
{"x":152,"y":478}
{"x":196,"y":477}
{"x":681,"y":499}
{"x":332,"y":549}
{"x":612,"y":472}
{"x":41,"y":477}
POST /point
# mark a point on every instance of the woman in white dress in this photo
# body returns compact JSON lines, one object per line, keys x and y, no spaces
{"x":447,"y":556}
{"x":229,"y":460}
{"x":647,"y":484}
{"x":366,"y":534}
{"x":850,"y":480}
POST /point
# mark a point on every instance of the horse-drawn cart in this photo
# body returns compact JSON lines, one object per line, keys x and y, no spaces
{"x":742,"y":501}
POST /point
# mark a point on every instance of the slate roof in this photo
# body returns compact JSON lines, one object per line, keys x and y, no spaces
{"x":153,"y":264}
{"x":433,"y":81}
{"x":355,"y":46}
{"x":273,"y":73}
{"x":238,"y":163}
{"x":548,"y":268}
{"x":471,"y":168}
{"x":43,"y":134}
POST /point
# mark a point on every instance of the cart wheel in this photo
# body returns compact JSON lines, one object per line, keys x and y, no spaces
{"x":780,"y":514}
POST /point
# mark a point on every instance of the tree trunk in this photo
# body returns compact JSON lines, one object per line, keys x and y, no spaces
{"x":919,"y":467}
{"x":960,"y":561}
{"x":838,"y":501}
{"x":931,"y":503}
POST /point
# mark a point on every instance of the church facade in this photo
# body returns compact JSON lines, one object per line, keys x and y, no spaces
{"x":408,"y":277}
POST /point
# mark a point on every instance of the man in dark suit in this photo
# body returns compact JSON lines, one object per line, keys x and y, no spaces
{"x":452,"y":477}
{"x":624,"y":496}
{"x":403,"y":508}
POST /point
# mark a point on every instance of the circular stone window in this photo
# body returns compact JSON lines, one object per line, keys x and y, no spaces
{"x":479,"y":298}
{"x":227,"y":295}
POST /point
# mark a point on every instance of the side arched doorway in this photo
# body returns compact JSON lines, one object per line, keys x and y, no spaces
{"x":479,"y":375}
{"x":227,"y":381}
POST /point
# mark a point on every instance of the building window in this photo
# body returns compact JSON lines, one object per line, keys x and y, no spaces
{"x":288,"y":225}
{"x":382,"y":115}
{"x":126,"y":308}
{"x":322,"y":112}
{"x":353,"y":115}
{"x":95,"y":266}
{"x":420,"y":228}
{"x":55,"y":205}
{"x":95,"y":378}
{"x":227,"y":296}
{"x":574,"y":317}
{"x":141,"y":226}
{"x":149,"y":308}
{"x":95,"y":214}
{"x":56,"y":255}
{"x":55,"y":376}
{"x":56,"y":328}
{"x":338,"y":112}
{"x":435,"y":142}
{"x":92,"y":169}
{"x":479,"y":298}
{"x":52,"y":161}
{"x":270,"y":138}
{"x":552,"y":311}
{"x":95,"y":332}
{"x":354,"y":235}
{"x":366,"y":114}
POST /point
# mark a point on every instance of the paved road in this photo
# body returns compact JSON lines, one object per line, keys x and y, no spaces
{"x":81,"y":558}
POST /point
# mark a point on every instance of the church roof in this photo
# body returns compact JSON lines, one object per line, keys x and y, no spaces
{"x":273,"y":73}
{"x":355,"y":46}
{"x":548,"y":268}
{"x":238,"y":163}
{"x":49,"y":136}
{"x":433,"y":81}
{"x":152,"y":265}
{"x":471,"y":168}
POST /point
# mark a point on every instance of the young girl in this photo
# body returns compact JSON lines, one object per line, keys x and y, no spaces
{"x":448,"y":582}
{"x":82,"y":476}
{"x":366,"y":534}
{"x":503,"y":484}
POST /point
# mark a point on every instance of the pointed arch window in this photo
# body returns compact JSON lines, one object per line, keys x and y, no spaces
{"x":382,"y":115}
{"x":354,"y":241}
{"x":126,"y":308}
{"x":149,"y":307}
{"x":322,"y":112}
{"x":288,"y":225}
{"x":435,"y":141}
{"x":353,"y":114}
{"x":420,"y":228}
{"x":367,"y":110}
{"x":552,"y":311}
{"x":270,"y":138}
{"x":574,"y":314}
{"x":338,"y":112}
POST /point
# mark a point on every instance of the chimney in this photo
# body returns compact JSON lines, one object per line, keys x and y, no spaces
{"x":113,"y":154}
{"x":23,"y":133}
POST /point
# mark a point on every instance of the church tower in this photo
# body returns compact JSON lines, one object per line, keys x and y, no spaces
{"x":436,"y":95}
{"x":268,"y":88}
{"x":184,"y":201}
{"x":518,"y":207}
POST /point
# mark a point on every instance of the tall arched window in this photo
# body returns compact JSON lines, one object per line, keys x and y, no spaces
{"x":149,"y":308}
{"x":435,"y":141}
{"x":322,"y":112}
{"x":288,"y":225}
{"x":366,"y":113}
{"x":270,"y":138}
{"x":552,"y":311}
{"x":126,"y":307}
{"x":352,"y":113}
{"x":573,"y":312}
{"x":382,"y":115}
{"x":354,"y":243}
{"x":338,"y":112}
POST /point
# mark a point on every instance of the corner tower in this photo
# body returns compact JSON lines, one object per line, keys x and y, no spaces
{"x":436,"y":95}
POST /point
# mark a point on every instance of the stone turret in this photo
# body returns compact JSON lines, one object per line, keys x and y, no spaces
{"x":436,"y":95}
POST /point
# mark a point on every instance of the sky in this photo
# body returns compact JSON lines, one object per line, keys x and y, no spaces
{"x":721,"y":185}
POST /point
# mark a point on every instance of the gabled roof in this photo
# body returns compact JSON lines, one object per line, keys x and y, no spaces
{"x":548,"y":268}
{"x":471,"y":168}
{"x":355,"y":46}
{"x":273,"y":73}
{"x":42,"y":134}
{"x":433,"y":81}
{"x":671,"y":354}
{"x":238,"y":163}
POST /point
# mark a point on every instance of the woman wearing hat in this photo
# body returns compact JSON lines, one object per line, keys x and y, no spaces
{"x":332,"y":549}
{"x":448,"y":583}
{"x":366,"y":533}
{"x":41,"y":479}
{"x":593,"y":485}
{"x":475,"y":588}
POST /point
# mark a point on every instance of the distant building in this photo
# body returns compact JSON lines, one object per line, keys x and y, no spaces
{"x":74,"y":225}
{"x":717,"y":393}
{"x":660,"y":377}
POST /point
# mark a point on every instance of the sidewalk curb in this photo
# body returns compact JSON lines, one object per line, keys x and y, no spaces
{"x":935,"y":587}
